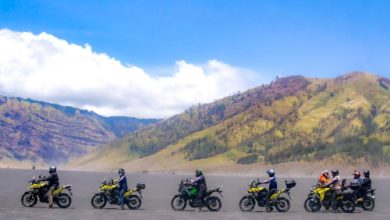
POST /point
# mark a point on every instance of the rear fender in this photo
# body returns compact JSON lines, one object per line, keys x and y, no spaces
{"x":62,"y":188}
{"x":69,"y":188}
{"x":129,"y":193}
{"x":277,"y":194}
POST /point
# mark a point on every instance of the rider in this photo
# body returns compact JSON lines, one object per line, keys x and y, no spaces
{"x":366,"y":182}
{"x":356,"y":184}
{"x":272,"y":187}
{"x":200,"y":184}
{"x":122,"y":183}
{"x":324,"y":178}
{"x":53,"y":182}
{"x":335,"y":185}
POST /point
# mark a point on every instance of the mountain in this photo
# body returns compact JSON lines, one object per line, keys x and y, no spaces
{"x":39,"y":131}
{"x":345,"y":119}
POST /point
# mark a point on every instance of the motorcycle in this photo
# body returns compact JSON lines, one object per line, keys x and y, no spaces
{"x":258,"y":194}
{"x":188,"y":194}
{"x":365,"y":198}
{"x":109,"y":192}
{"x":37,"y":191}
{"x":322,"y":196}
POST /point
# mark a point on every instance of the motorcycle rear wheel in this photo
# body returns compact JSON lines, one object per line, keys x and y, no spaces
{"x":348,"y":205}
{"x":213,"y":203}
{"x":98,"y":201}
{"x":247,"y":204}
{"x":282,"y":204}
{"x":178,"y":203}
{"x":63,"y":200}
{"x":29,"y":199}
{"x":134,"y":202}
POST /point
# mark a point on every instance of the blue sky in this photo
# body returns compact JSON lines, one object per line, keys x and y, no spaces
{"x":313,"y":38}
{"x":157,"y":58}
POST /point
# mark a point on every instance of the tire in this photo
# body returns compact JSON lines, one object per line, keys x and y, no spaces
{"x":63,"y":200}
{"x":348,"y":205}
{"x":312,"y":204}
{"x":178,"y":203}
{"x":368,"y":203}
{"x":134,"y":202}
{"x":99,"y":201}
{"x":247,"y":204}
{"x":282,"y":204}
{"x":213,"y":203}
{"x":29,"y":199}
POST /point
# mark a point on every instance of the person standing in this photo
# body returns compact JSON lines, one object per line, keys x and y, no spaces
{"x":122,"y":184}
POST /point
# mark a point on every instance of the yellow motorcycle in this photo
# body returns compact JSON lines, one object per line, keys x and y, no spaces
{"x":322,"y":196}
{"x":38,"y":191}
{"x":109,"y":192}
{"x":258,"y":194}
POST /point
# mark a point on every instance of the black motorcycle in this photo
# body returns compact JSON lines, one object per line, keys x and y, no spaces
{"x":188,"y":194}
{"x":365,"y":198}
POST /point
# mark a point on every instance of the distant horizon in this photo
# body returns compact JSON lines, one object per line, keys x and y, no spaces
{"x":75,"y":107}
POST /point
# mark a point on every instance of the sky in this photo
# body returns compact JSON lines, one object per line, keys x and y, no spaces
{"x":157,"y":58}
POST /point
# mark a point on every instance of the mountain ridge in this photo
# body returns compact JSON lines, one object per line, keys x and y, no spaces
{"x":46,"y":132}
{"x":291,"y":119}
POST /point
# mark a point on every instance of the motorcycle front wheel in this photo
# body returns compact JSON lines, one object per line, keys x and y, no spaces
{"x":178,"y":203}
{"x":247,"y":204}
{"x":312,"y":204}
{"x":98,"y":201}
{"x":368,"y":203}
{"x":29,"y":199}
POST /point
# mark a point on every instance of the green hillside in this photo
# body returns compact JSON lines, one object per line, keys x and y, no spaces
{"x":291,"y":119}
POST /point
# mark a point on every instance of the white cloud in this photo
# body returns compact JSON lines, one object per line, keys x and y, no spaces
{"x":46,"y":68}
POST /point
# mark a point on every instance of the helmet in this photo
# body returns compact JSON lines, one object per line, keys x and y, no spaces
{"x":356,"y":174}
{"x":121,"y":171}
{"x":271,"y":173}
{"x":366,"y":173}
{"x":335,"y":172}
{"x":52,"y":169}
{"x":198,"y":172}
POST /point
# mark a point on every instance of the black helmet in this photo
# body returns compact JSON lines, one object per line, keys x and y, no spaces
{"x":335,"y":172}
{"x":121,"y":171}
{"x":198,"y":173}
{"x":271,"y":173}
{"x":52,"y":169}
{"x":366,"y":173}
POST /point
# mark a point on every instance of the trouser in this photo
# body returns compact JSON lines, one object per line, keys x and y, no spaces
{"x":360,"y":193}
{"x":270,"y":193}
{"x":201,"y":193}
{"x":50,"y":194}
{"x":122,"y":196}
{"x":334,"y":198}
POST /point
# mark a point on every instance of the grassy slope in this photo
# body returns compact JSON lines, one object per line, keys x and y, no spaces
{"x":316,"y":123}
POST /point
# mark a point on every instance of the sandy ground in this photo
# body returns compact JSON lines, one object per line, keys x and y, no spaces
{"x":156,"y":204}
